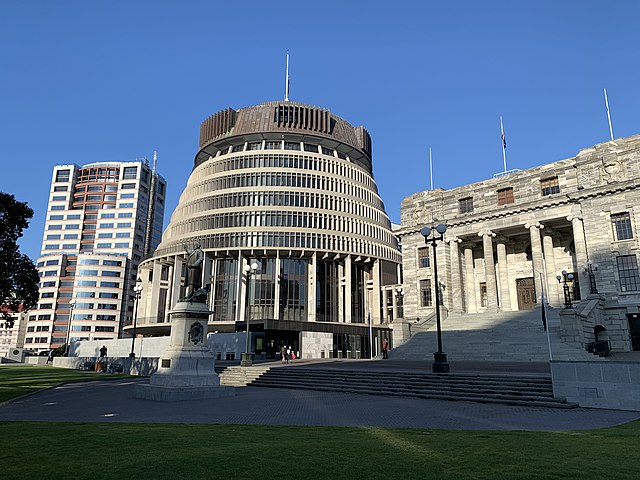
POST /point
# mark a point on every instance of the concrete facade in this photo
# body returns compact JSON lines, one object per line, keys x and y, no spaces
{"x":614,"y":385}
{"x":509,"y":238}
{"x":288,"y":189}
{"x":102,"y":218}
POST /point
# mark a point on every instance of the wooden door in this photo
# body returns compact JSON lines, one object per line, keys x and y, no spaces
{"x":526,"y":291}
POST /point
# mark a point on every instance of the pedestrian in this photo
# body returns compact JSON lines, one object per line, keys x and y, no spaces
{"x":50,"y":357}
{"x":385,"y":348}
{"x":101,"y":363}
{"x":283,"y":354}
{"x":288,"y":354}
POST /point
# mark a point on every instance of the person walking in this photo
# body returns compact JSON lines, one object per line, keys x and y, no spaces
{"x":50,"y":358}
{"x":283,"y":354}
{"x":288,"y":354}
{"x":101,"y":363}
{"x":385,"y":349}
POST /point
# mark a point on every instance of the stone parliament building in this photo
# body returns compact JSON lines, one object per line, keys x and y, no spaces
{"x":509,"y":238}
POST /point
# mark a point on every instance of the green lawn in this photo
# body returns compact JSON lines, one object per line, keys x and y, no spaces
{"x":142,"y":451}
{"x":18,"y":380}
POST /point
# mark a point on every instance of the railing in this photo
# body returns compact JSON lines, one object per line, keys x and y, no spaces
{"x":600,"y":347}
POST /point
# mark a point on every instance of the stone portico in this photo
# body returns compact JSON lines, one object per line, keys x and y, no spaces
{"x":509,"y":238}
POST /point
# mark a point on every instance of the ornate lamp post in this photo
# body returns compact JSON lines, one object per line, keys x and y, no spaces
{"x":566,"y":279}
{"x":72,"y":304}
{"x":399,"y":302}
{"x":249,"y":271}
{"x":137,"y":294}
{"x":431,"y":236}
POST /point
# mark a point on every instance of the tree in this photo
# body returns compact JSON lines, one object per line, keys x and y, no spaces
{"x":18,"y":275}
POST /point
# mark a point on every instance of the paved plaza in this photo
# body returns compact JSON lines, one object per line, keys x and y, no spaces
{"x":113,"y":401}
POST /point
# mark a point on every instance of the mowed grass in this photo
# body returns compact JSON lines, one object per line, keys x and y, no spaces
{"x":168,"y":451}
{"x":142,"y":451}
{"x":19,"y":380}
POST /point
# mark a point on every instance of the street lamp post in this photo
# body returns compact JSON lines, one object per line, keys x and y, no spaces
{"x":566,"y":279}
{"x":399,"y":302}
{"x":440,"y":364}
{"x":72,"y":304}
{"x":249,"y":271}
{"x":137,"y":290}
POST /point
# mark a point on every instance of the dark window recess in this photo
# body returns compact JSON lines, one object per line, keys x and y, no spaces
{"x":465,"y":205}
{"x":549,"y":186}
{"x":505,"y":196}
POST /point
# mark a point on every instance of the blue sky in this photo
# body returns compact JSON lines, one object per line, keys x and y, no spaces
{"x":106,"y":81}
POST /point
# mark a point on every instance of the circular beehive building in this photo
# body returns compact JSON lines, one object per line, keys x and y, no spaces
{"x":287,"y":188}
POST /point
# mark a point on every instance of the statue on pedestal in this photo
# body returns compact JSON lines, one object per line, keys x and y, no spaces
{"x":195,"y":292}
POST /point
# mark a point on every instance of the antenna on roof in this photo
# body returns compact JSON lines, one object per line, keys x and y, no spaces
{"x":286,"y":88}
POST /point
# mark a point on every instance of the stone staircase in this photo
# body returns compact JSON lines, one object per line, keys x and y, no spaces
{"x":494,"y":337}
{"x":501,"y":389}
{"x":237,"y":376}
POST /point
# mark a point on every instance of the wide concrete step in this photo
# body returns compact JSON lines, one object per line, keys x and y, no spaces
{"x":236,"y":376}
{"x":506,"y":389}
{"x":503,"y":336}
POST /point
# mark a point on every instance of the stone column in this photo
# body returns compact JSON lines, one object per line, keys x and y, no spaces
{"x":536,"y":254}
{"x":550,"y":288}
{"x":276,"y":296}
{"x":176,"y":280}
{"x":455,"y":289}
{"x":311,"y":289}
{"x":155,"y":293}
{"x":582,"y":260}
{"x":143,"y":304}
{"x":373,"y":288}
{"x":503,"y":274}
{"x":470,"y":281}
{"x":394,"y":300}
{"x":347,"y":289}
{"x":489,"y":269}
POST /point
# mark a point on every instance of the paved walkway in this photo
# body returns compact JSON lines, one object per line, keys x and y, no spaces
{"x":113,"y":401}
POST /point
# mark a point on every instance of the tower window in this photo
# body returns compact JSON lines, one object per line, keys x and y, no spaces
{"x":62,"y":175}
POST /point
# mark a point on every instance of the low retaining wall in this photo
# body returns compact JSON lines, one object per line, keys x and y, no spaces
{"x":137,"y":366}
{"x":611,"y":384}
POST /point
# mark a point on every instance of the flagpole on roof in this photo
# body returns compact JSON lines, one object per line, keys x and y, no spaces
{"x":430,"y":169}
{"x":286,"y":88}
{"x":504,"y":146}
{"x":606,"y":103}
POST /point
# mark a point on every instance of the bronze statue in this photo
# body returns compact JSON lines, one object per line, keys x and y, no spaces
{"x":195,"y":257}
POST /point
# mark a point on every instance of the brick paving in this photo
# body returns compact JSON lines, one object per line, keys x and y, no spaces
{"x":113,"y":401}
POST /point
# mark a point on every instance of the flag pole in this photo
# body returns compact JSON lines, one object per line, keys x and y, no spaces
{"x":606,"y":103}
{"x":430,"y":169}
{"x":286,"y":88}
{"x":504,"y":146}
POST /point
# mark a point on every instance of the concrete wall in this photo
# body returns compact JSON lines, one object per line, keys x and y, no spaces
{"x":154,"y":347}
{"x":611,"y":384}
{"x":144,"y":347}
{"x":313,"y":344}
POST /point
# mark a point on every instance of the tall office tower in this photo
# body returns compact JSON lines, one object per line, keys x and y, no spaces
{"x":102,"y":219}
{"x":297,"y":244}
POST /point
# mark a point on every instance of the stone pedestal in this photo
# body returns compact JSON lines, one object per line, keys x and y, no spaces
{"x":186,"y":369}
